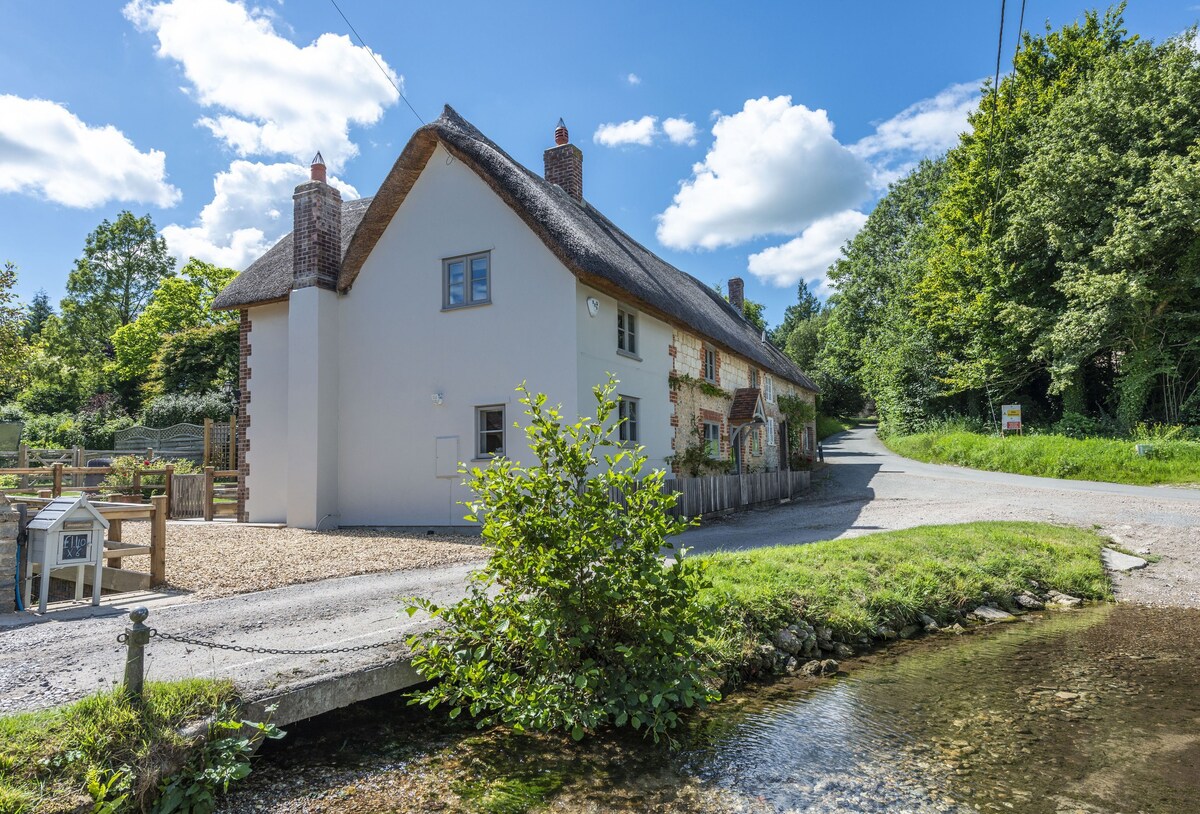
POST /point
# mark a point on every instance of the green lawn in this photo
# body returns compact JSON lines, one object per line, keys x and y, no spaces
{"x":857,"y":585}
{"x":1056,"y":456}
{"x":47,"y":758}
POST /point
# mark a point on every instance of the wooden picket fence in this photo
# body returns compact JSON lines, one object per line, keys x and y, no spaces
{"x":718,"y":494}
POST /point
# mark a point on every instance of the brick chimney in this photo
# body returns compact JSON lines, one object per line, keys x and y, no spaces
{"x":564,"y":163}
{"x":317,"y":231}
{"x":737,"y":293}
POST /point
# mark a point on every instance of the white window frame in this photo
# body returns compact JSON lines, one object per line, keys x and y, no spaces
{"x":755,"y":442}
{"x":469,"y":300}
{"x":627,"y":332}
{"x":771,"y":439}
{"x":627,"y":410}
{"x":710,"y":365}
{"x":715,"y":451}
{"x":769,"y":389}
{"x":754,"y":378}
{"x":481,"y":432}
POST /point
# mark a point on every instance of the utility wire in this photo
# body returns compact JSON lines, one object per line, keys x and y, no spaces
{"x":987,"y":164}
{"x":378,"y":64}
{"x":1016,"y":53}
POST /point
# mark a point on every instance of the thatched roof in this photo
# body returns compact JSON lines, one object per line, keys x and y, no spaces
{"x":585,"y":241}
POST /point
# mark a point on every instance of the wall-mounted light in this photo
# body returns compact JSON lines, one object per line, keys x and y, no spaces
{"x":437,"y":398}
{"x":593,"y":305}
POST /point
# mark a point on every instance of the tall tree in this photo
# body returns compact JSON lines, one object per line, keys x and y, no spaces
{"x":805,"y":308}
{"x":36,"y":314}
{"x":122,"y":265}
{"x":13,"y":349}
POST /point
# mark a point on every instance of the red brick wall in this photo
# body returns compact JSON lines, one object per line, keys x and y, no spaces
{"x":243,"y":416}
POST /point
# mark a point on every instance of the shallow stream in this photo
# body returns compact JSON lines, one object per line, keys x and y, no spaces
{"x":1090,"y":711}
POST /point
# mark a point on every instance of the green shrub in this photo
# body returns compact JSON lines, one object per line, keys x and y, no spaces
{"x":166,"y":411}
{"x":52,"y":431}
{"x":1075,"y":425}
{"x":575,"y":623}
{"x":125,"y":466}
{"x":196,"y":360}
{"x":11,"y":412}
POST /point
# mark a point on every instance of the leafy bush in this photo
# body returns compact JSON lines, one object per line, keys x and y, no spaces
{"x":126,"y":466}
{"x":575,"y":622}
{"x":53,"y":431}
{"x":166,"y":411}
{"x":1075,"y":425}
{"x":197,"y":360}
{"x":45,"y":396}
{"x":11,"y":412}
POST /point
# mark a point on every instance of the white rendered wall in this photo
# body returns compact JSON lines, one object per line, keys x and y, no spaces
{"x":312,"y":418}
{"x":267,"y":433}
{"x":644,"y":378}
{"x":397,"y":348}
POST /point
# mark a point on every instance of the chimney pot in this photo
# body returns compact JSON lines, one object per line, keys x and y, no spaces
{"x":737,"y":293}
{"x":317,"y":169}
{"x":564,"y":163}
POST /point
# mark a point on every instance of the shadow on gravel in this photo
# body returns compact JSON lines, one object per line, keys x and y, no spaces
{"x":831,"y":507}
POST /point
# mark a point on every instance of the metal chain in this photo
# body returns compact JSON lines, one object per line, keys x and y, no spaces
{"x":265,"y":650}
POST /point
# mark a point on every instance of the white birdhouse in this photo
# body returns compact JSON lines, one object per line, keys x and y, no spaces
{"x":67,"y":532}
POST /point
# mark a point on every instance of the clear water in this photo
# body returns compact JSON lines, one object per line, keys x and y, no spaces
{"x":1089,"y":711}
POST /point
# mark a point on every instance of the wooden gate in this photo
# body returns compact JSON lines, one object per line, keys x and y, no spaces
{"x":187,"y":496}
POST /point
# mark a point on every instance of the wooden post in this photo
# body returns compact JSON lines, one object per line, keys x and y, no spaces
{"x":209,"y":494}
{"x":168,"y":492}
{"x":56,"y":489}
{"x":23,"y":462}
{"x":207,"y":459}
{"x":77,"y":457}
{"x":114,"y":536}
{"x":136,"y":485}
{"x":231,"y":462}
{"x":158,"y":540}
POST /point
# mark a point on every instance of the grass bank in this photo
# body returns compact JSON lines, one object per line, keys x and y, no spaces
{"x":102,"y":747}
{"x":1056,"y":456}
{"x":828,"y":425}
{"x":866,"y":587}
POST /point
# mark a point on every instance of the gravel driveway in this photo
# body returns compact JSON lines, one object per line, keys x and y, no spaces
{"x":868,"y":488}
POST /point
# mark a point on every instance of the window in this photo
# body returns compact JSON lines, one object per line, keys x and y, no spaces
{"x":755,"y":442}
{"x":769,"y":390}
{"x":710,"y":365}
{"x":712,"y":439}
{"x":627,"y":331}
{"x":627,"y":409}
{"x":489,"y":423}
{"x":467,"y":280}
{"x":754,"y":378}
{"x":770,"y":432}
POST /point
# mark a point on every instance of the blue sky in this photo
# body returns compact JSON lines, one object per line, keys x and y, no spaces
{"x":733,"y":139}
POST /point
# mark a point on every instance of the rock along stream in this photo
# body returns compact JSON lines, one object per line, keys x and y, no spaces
{"x":1089,"y":711}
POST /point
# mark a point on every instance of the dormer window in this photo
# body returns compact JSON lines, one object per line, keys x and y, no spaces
{"x":467,"y":280}
{"x":627,"y":332}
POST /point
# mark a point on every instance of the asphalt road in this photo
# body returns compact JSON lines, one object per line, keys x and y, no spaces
{"x":868,"y":488}
{"x":864,"y":489}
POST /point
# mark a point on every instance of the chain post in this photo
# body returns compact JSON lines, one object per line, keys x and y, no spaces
{"x":136,"y":637}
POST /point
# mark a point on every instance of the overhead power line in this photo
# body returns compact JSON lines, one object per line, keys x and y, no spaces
{"x":378,"y":64}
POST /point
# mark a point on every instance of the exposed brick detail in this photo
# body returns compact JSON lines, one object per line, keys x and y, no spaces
{"x":737,"y":292}
{"x":317,"y":236}
{"x":243,"y":417}
{"x":564,"y":166}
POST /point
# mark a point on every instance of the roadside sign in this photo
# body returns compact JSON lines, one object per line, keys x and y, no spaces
{"x":1010,"y":418}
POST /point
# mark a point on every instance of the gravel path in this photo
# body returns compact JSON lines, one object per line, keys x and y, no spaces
{"x":220,"y":559}
{"x":868,"y":488}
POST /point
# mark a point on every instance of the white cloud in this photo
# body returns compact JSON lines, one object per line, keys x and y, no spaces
{"x":641,"y":131}
{"x":272,"y":96}
{"x":680,"y":131}
{"x":774,"y":168}
{"x":47,"y":151}
{"x":929,"y":127}
{"x":633,"y":79}
{"x":250,"y":210}
{"x":808,"y":256}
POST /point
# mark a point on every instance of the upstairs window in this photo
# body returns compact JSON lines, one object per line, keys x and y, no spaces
{"x":627,"y":331}
{"x":627,"y":409}
{"x":769,"y":389}
{"x":754,"y":378}
{"x":467,"y":280}
{"x":770,"y":432}
{"x":710,"y":365}
{"x":712,"y":439}
{"x":489,"y":425}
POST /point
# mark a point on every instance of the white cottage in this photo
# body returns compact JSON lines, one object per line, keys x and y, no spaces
{"x":382,"y":340}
